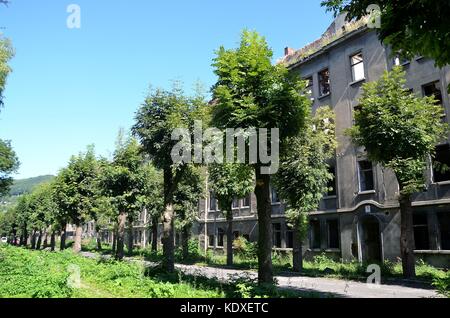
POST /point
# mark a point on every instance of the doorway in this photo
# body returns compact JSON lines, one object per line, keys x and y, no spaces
{"x":370,"y":240}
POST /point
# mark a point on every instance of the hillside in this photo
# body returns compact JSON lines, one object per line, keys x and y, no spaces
{"x":20,"y":187}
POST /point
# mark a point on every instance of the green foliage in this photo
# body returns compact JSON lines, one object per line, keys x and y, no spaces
{"x":443,"y":284}
{"x":303,"y":175}
{"x":8,"y":162}
{"x":251,"y":92}
{"x":413,"y":28}
{"x":398,"y":129}
{"x":6,"y":53}
{"x":244,"y":249}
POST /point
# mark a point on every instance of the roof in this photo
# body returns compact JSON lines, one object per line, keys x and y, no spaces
{"x":336,"y":31}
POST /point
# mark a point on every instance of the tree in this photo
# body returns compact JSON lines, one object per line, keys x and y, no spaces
{"x":186,"y":197}
{"x":229,"y":182}
{"x":162,"y":113}
{"x":411,"y":27}
{"x":76,"y":190}
{"x":6,"y":53}
{"x":303,"y":177}
{"x":253,"y":93}
{"x":399,"y":131}
{"x":8,"y":165}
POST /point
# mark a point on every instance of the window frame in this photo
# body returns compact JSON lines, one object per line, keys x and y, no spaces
{"x":354,"y":65}
{"x":360,"y":190}
{"x":321,"y":94}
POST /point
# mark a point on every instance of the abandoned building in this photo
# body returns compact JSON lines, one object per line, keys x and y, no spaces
{"x":359,"y":218}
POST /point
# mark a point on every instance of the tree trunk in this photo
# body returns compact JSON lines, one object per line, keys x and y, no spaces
{"x":45,"y":243}
{"x":407,"y":243}
{"x":121,"y":236}
{"x":130,"y":241}
{"x":39,"y":241}
{"x":78,"y":234}
{"x":264,"y":207}
{"x":53,"y":241}
{"x":155,"y":234}
{"x":185,"y":235}
{"x":229,"y":237}
{"x":25,"y":236}
{"x":297,"y":253}
{"x":114,"y":240}
{"x":62,"y":243}
{"x":99,"y":241}
{"x":33,"y":240}
{"x":168,"y":223}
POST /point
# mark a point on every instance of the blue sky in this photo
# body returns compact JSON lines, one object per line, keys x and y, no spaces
{"x":75,"y":87}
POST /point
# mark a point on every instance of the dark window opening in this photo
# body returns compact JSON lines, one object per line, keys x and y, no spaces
{"x":289,"y":239}
{"x":236,"y":234}
{"x":420,"y":225}
{"x":315,"y":234}
{"x":246,"y":201}
{"x":332,"y":183}
{"x":444,"y":229}
{"x":333,"y":233}
{"x":324,"y":82}
{"x":220,"y":236}
{"x":276,"y":235}
{"x":310,"y":87}
{"x":357,"y":64}
{"x":274,"y":195}
{"x":211,"y":241}
{"x":235,"y":204}
{"x":441,"y":165}
{"x":366,"y":182}
{"x":212,"y":202}
{"x":433,"y":89}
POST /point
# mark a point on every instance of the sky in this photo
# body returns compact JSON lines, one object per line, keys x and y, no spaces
{"x":74,"y":87}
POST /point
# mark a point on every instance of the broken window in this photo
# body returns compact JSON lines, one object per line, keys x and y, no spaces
{"x":332,"y":183}
{"x":276,"y":228}
{"x":246,"y":201}
{"x":441,"y":164}
{"x":310,"y":87}
{"x":235,"y":204}
{"x":324,"y":82}
{"x":333,"y":233}
{"x":274,"y":195}
{"x":433,"y":89}
{"x":366,"y":182}
{"x":357,"y":64}
{"x":315,"y":234}
{"x":211,"y":241}
{"x":212,"y":201}
{"x":220,"y":235}
{"x":444,"y":228}
{"x":420,"y":225}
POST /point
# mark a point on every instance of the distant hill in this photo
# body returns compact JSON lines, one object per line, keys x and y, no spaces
{"x":21,"y":187}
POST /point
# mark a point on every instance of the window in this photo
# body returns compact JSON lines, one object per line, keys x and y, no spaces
{"x":324,"y":82}
{"x":212,"y":201}
{"x":310,"y":87}
{"x":441,"y":165}
{"x":365,"y":176}
{"x":274,"y":195}
{"x":433,"y":89}
{"x":211,"y":241}
{"x":333,"y":233}
{"x":332,"y":183}
{"x":420,"y":225}
{"x":289,"y":238}
{"x":220,"y":235}
{"x":357,"y":65}
{"x":246,"y":201}
{"x":444,"y":228}
{"x":276,"y":227}
{"x":315,"y":234}
{"x":235,"y":204}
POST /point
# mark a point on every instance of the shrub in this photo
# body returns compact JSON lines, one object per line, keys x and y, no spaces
{"x":245,"y":249}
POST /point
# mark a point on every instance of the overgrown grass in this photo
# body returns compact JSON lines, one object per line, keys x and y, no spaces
{"x":42,"y":274}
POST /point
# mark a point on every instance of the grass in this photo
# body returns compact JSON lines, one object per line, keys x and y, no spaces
{"x":41,"y":274}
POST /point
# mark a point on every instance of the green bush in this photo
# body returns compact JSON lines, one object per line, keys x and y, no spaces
{"x":443,"y":284}
{"x":245,"y":249}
